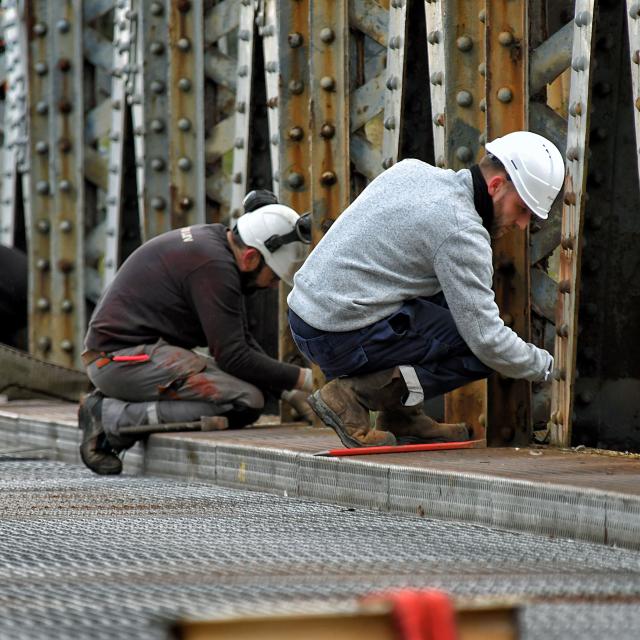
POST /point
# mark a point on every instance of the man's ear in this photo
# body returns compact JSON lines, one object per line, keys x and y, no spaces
{"x":494,"y":183}
{"x":249,"y":259}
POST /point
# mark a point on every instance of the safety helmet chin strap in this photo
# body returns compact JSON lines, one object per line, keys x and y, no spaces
{"x":300,"y":233}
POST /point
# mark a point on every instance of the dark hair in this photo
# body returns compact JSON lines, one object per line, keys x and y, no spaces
{"x":493,"y":164}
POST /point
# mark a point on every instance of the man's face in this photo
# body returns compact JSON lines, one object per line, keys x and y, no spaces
{"x":266,"y":278}
{"x":509,"y":209}
{"x":255,"y":273}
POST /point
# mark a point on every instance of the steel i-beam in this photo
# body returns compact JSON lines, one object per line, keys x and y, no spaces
{"x":572,"y":223}
{"x":633,"y":22}
{"x":507,"y":100}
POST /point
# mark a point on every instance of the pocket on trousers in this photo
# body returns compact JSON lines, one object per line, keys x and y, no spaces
{"x":338,"y":364}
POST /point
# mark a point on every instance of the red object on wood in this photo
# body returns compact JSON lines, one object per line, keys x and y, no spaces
{"x":141,"y":358}
{"x":421,"y":615}
{"x":401,"y":448}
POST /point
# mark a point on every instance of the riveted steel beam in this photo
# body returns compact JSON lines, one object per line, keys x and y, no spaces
{"x":550,"y":59}
{"x":456,"y":44}
{"x":186,"y":99}
{"x":396,"y":48}
{"x":123,"y":74}
{"x":269,"y":32}
{"x":220,"y":20}
{"x":572,"y":222}
{"x":507,"y":100}
{"x":245,"y":74}
{"x":329,"y":93}
{"x":633,"y":23}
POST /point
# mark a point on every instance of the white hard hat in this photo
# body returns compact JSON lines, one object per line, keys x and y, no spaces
{"x":279,"y":234}
{"x":534,"y":165}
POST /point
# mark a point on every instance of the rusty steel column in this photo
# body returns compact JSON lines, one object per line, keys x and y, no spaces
{"x":456,"y":37}
{"x":294,"y":158}
{"x":562,"y":397}
{"x":507,"y":100}
{"x":633,"y":23}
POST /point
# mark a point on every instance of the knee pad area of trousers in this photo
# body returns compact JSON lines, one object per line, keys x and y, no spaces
{"x":240,"y":417}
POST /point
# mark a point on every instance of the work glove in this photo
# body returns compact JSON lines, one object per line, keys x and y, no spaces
{"x":297,"y":400}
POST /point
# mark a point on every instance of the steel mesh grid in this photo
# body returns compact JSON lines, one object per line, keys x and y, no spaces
{"x":84,"y":556}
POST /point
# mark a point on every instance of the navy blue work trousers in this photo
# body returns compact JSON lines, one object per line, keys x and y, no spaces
{"x":421,"y":333}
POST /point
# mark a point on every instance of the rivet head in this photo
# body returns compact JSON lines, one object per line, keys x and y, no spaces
{"x":505,"y":38}
{"x":575,"y":109}
{"x":439,"y":120}
{"x":295,"y":40}
{"x":184,"y":164}
{"x":464,"y":43}
{"x":64,"y":64}
{"x":40,"y":29}
{"x":66,"y":345}
{"x":157,"y":164}
{"x":583,"y":19}
{"x":327,"y":35}
{"x":563,"y":330}
{"x":157,"y":126}
{"x":63,"y":26}
{"x":387,"y":163}
{"x":244,"y":35}
{"x":636,"y":57}
{"x":42,"y":147}
{"x":567,"y":243}
{"x":272,"y":102}
{"x":158,"y":203}
{"x":236,"y":178}
{"x":156,"y":9}
{"x":43,"y":304}
{"x":271,"y":66}
{"x":41,"y":68}
{"x":436,"y":77}
{"x":275,"y":139}
{"x":184,"y":6}
{"x":42,"y":187}
{"x":482,"y":15}
{"x":65,"y":187}
{"x":241,"y":107}
{"x":43,"y":226}
{"x":569,"y":197}
{"x":507,"y":318}
{"x":392,"y":83}
{"x":42,"y":108}
{"x":65,"y":106}
{"x":433,"y":37}
{"x":42,"y":264}
{"x":328,"y":178}
{"x":184,"y":124}
{"x":579,"y":64}
{"x":505,"y":95}
{"x":296,"y":134}
{"x":464,"y":154}
{"x":559,"y":374}
{"x":157,"y":48}
{"x":573,"y":154}
{"x":238,"y":143}
{"x":327,"y":83}
{"x":66,"y":226}
{"x":44,"y":343}
{"x":243,"y":70}
{"x":295,"y":180}
{"x":157,"y":86}
{"x":564,"y":286}
{"x":67,"y":305}
{"x":464,"y":98}
{"x":634,"y":11}
{"x":184,"y":84}
{"x":185,"y":203}
{"x":395,"y":42}
{"x":482,"y":105}
{"x":184,"y":44}
{"x":296,"y":87}
{"x":637,"y":103}
{"x":390,"y":123}
{"x":327,"y":131}
{"x":482,"y":69}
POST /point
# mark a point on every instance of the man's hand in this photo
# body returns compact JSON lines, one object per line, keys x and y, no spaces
{"x":297,"y":400}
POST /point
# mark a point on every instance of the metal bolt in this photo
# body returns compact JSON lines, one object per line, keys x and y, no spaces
{"x":42,"y":108}
{"x":507,"y":318}
{"x":275,"y":139}
{"x":327,"y":131}
{"x":636,"y":57}
{"x":575,"y":109}
{"x":65,"y":187}
{"x":67,"y":305}
{"x":42,"y":264}
{"x":392,"y":83}
{"x":158,"y":203}
{"x":579,"y":64}
{"x":40,"y":29}
{"x":66,"y":345}
{"x":464,"y":43}
{"x":44,"y":343}
{"x":184,"y":84}
{"x":563,"y":330}
{"x":637,"y":103}
{"x":464,"y":154}
{"x":296,"y":87}
{"x":390,"y":123}
{"x":327,"y":83}
{"x":482,"y":15}
{"x":482,"y":105}
{"x":43,"y":304}
{"x":43,"y":226}
{"x":464,"y":98}
{"x":583,"y":19}
{"x":436,"y":77}
{"x":559,"y":374}
{"x":157,"y":164}
{"x":244,"y":35}
{"x":184,"y":164}
{"x":184,"y":44}
{"x":439,"y":120}
{"x":42,"y":147}
{"x":63,"y":26}
{"x":184,"y":124}
{"x":573,"y":153}
{"x":564,"y":286}
{"x":65,"y":106}
{"x":505,"y":38}
{"x":482,"y":69}
{"x":272,"y":103}
{"x":157,"y":86}
{"x":184,"y":6}
{"x":41,"y":68}
{"x":157,"y":48}
{"x":433,"y":37}
{"x":243,"y":70}
{"x":66,"y":226}
{"x":42,"y":187}
{"x":328,"y":178}
{"x":185,"y":203}
{"x":327,"y":35}
{"x":296,"y":134}
{"x":440,"y":162}
{"x":395,"y":42}
{"x":295,"y":180}
{"x":156,"y":9}
{"x":238,"y":143}
{"x":157,"y":126}
{"x":64,"y":64}
{"x":634,"y":12}
{"x":505,"y":95}
{"x":569,"y":197}
{"x":271,"y":66}
{"x":295,"y":40}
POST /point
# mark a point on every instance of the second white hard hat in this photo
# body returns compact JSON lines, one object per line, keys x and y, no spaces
{"x":534,"y":165}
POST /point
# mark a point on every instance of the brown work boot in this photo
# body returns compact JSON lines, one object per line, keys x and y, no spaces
{"x":411,"y":425}
{"x":337,"y":404}
{"x":95,"y":450}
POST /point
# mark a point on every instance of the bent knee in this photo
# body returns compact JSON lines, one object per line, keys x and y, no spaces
{"x":252,"y":398}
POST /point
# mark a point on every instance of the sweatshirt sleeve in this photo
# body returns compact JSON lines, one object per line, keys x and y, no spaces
{"x":215,"y":294}
{"x":463,"y":265}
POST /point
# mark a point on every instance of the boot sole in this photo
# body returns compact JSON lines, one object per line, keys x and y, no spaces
{"x":331,"y":419}
{"x":111,"y":468}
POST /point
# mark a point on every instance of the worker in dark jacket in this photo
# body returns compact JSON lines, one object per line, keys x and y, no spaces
{"x":181,"y":290}
{"x":13,"y":297}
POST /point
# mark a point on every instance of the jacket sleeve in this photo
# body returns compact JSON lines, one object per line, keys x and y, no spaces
{"x":463,"y":266}
{"x":216,"y":297}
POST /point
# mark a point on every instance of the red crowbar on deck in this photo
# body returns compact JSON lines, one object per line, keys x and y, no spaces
{"x":401,"y":448}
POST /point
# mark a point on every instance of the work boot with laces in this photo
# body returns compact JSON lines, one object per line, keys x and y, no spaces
{"x":411,"y":425}
{"x":95,"y":450}
{"x":338,"y":405}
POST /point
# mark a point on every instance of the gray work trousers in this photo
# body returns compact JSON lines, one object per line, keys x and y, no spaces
{"x":174,"y":385}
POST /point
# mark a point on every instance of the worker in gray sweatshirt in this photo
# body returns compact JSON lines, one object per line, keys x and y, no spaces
{"x":395,"y":303}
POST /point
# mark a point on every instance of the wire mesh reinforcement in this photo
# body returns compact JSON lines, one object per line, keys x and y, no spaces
{"x":82,"y":556}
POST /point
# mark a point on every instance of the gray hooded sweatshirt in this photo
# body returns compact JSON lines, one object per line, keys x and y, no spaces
{"x":413,"y":232}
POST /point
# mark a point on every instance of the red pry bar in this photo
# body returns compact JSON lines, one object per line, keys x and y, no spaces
{"x":401,"y":448}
